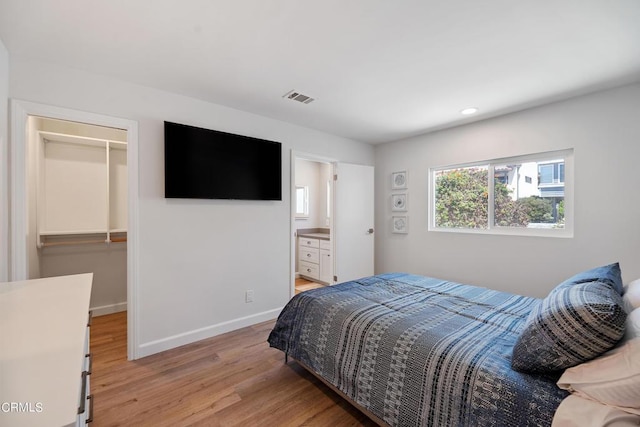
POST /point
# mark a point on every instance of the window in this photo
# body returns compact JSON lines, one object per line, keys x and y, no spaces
{"x":551,"y":173}
{"x":525,"y":195}
{"x":302,"y":201}
{"x":462,"y":197}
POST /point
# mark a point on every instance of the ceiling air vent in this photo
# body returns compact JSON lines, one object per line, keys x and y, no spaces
{"x":297,"y":96}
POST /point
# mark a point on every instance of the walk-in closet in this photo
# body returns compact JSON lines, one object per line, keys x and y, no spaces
{"x":77,"y":204}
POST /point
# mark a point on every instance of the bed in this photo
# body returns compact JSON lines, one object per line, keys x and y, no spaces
{"x":411,"y":350}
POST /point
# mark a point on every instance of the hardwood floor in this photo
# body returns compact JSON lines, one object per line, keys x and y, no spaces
{"x":304,"y":285}
{"x":234,"y":379}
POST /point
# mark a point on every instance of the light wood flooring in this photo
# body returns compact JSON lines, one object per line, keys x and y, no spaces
{"x":304,"y":285}
{"x":234,"y":379}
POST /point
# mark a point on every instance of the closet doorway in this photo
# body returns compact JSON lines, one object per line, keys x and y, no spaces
{"x":78,"y":206}
{"x":75,"y":200}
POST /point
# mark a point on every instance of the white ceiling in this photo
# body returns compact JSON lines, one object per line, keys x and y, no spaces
{"x":380,"y":70}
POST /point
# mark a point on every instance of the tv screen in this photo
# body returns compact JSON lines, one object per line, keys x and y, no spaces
{"x":209,"y":164}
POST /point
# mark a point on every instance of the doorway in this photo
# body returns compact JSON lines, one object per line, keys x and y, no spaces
{"x":311,"y":219}
{"x":341,"y":232}
{"x":77,"y":206}
{"x":23,"y":265}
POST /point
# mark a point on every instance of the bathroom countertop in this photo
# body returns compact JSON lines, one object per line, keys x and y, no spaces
{"x":321,"y":236}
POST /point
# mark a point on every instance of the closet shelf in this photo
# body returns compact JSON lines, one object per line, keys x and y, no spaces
{"x":117,"y":145}
{"x":82,"y":232}
{"x":72,"y":232}
{"x":119,"y":237}
{"x":83,"y":242}
{"x":73,"y":139}
{"x":72,"y":243}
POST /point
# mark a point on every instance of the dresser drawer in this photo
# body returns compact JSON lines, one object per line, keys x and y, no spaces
{"x":309,"y":270}
{"x":325,"y":244}
{"x":309,"y":254}
{"x":307,"y":242}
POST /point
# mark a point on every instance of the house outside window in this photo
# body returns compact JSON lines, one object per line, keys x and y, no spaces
{"x":551,"y":186}
{"x":525,"y":195}
{"x":551,"y":173}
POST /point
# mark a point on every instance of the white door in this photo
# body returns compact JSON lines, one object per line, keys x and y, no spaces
{"x":353,"y":221}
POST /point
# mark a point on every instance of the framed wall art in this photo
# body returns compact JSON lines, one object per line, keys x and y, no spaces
{"x":400,"y":224}
{"x":399,"y":202}
{"x":399,"y":180}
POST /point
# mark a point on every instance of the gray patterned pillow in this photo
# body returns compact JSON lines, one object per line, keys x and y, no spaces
{"x":610,"y":274}
{"x":574,"y":323}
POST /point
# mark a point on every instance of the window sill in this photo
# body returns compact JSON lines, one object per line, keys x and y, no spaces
{"x":507,"y":231}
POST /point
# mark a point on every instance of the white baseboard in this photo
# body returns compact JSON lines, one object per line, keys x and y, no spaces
{"x":147,"y":349}
{"x":109,"y":309}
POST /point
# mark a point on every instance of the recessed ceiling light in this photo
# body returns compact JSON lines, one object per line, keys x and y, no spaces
{"x":470,"y":110}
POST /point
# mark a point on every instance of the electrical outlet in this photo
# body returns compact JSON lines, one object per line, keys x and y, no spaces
{"x":248,"y":296}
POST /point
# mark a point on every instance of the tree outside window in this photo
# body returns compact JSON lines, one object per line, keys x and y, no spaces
{"x":522,"y":193}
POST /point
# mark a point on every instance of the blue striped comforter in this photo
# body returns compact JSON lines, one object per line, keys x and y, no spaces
{"x":419,"y":351}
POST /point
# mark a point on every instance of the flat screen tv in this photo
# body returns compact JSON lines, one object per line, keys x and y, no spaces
{"x":209,"y":164}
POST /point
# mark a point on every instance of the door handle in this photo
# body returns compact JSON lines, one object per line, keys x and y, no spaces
{"x":370,"y":231}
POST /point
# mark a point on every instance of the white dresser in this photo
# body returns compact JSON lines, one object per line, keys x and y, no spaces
{"x":314,"y":258}
{"x":44,"y":357}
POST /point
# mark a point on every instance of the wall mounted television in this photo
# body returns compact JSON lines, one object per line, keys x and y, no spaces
{"x":209,"y":164}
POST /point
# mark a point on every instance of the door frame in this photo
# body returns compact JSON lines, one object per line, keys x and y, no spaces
{"x":18,"y":260}
{"x":292,"y":214}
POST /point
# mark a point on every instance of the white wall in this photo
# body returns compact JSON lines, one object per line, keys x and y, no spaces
{"x":197,"y":257}
{"x":4,"y":163}
{"x":325,"y":176}
{"x":604,"y":130}
{"x":108,"y":263}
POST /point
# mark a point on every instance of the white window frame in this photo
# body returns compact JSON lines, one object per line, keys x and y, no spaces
{"x":566,"y":232}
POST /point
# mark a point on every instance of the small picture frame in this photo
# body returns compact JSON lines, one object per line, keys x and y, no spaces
{"x":399,"y":180}
{"x":400,"y":224}
{"x":399,"y":202}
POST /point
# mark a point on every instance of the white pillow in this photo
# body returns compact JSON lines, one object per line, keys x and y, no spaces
{"x":612,"y":379}
{"x":575,"y":411}
{"x":632,"y":325}
{"x":631,"y":296}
